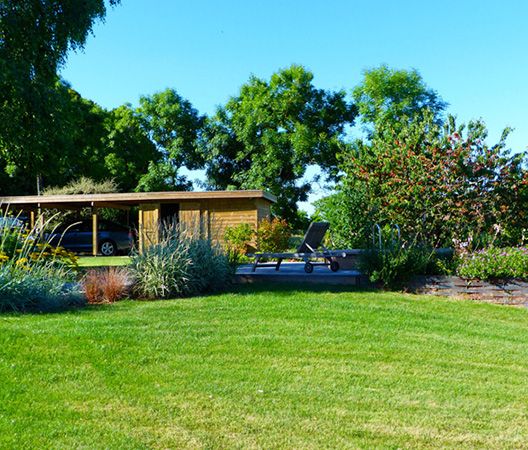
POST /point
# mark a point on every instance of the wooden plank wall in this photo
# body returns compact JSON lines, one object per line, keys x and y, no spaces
{"x":224,"y":213}
{"x":149,"y":223}
{"x":263,"y":209}
{"x":210,"y":217}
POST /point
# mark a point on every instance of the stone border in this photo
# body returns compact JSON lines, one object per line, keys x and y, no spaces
{"x":502,"y":291}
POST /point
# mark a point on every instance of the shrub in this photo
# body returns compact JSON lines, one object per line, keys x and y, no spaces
{"x":182,"y":263}
{"x":239,"y":237}
{"x":438,"y":184}
{"x":273,"y":236}
{"x":107,"y":285}
{"x":495,"y":262}
{"x":394,"y":267}
{"x":348,"y":228}
{"x":41,"y":287}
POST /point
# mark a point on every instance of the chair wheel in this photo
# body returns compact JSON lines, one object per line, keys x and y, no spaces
{"x":308,"y":268}
{"x":334,"y":266}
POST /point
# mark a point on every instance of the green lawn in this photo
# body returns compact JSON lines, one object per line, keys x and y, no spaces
{"x":99,"y":261}
{"x":257,"y":369}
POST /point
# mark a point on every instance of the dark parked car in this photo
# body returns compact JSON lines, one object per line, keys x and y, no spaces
{"x":112,"y":237}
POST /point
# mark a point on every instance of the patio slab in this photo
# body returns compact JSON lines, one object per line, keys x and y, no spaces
{"x":293,"y":272}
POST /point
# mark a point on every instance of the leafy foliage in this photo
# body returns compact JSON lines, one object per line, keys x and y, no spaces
{"x":239,"y":238}
{"x":437,"y":184}
{"x":387,"y":96}
{"x":266,"y":136}
{"x":35,"y":36}
{"x":162,"y":176}
{"x":174,"y":126}
{"x":349,"y":216}
{"x":393,"y":267}
{"x":273,"y":236}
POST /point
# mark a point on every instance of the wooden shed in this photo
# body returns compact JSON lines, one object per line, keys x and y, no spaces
{"x":211,"y":211}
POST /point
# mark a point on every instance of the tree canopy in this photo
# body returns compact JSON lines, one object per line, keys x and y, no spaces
{"x":267,"y":135}
{"x":35,"y":37}
{"x":388,"y":95}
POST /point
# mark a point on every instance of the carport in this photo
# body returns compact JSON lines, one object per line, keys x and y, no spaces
{"x":211,"y":211}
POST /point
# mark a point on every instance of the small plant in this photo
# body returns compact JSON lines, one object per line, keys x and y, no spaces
{"x":274,"y":235}
{"x":495,"y":262}
{"x":240,"y":237}
{"x":107,"y":285}
{"x":394,"y":267}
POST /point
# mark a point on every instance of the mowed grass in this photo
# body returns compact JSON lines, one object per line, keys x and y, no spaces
{"x":282,"y":368}
{"x":102,"y":261}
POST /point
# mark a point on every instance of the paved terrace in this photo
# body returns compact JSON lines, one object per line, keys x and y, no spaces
{"x":293,"y":272}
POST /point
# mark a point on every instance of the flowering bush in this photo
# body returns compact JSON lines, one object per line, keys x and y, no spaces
{"x":440,"y":185}
{"x":274,"y":236}
{"x":495,"y":262}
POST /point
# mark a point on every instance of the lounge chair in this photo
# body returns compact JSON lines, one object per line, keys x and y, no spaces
{"x":311,"y":247}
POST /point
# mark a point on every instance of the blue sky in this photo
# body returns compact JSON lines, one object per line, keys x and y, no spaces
{"x":473,"y":53}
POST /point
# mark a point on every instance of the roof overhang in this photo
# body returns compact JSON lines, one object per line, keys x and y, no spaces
{"x":124,"y":200}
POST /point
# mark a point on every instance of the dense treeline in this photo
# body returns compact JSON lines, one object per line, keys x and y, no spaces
{"x":412,"y":167}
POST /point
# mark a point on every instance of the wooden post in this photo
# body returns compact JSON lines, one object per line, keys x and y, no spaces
{"x":32,"y":219}
{"x":95,"y":227}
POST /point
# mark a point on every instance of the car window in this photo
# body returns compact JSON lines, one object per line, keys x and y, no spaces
{"x":79,"y":228}
{"x":111,"y":226}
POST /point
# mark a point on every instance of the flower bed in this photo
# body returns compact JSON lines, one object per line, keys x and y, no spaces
{"x":491,"y":262}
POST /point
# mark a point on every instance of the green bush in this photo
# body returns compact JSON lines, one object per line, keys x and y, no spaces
{"x":181,"y":264}
{"x":350,"y":218}
{"x":273,"y":236}
{"x":394,"y":267}
{"x":495,"y":262}
{"x":239,"y":237}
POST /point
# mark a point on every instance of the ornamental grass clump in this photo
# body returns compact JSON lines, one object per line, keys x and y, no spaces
{"x":492,"y":262}
{"x":107,"y":285}
{"x":32,"y":274}
{"x":182,"y":263}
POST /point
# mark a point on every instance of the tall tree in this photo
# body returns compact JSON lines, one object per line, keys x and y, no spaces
{"x":388,"y":95}
{"x":266,"y":136}
{"x":35,"y":37}
{"x":175,"y":127}
{"x":129,"y":151}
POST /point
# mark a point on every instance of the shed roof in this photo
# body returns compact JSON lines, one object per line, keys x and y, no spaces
{"x":125,"y":200}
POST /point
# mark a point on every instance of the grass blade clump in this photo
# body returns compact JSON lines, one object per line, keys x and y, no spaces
{"x":41,"y":287}
{"x":182,"y":263}
{"x":107,"y":285}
